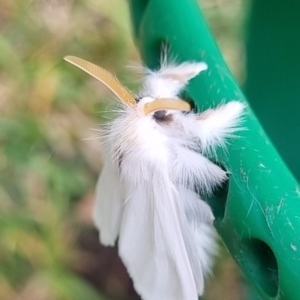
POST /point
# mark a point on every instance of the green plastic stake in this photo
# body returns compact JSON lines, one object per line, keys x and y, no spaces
{"x":258,"y":210}
{"x":273,"y":67}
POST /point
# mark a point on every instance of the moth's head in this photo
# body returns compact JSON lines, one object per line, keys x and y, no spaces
{"x":159,"y":109}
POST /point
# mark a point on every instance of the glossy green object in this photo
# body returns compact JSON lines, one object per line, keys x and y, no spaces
{"x":273,"y":66}
{"x":258,"y":210}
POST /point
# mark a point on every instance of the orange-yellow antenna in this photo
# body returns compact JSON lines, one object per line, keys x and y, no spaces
{"x":166,"y":104}
{"x":105,"y":77}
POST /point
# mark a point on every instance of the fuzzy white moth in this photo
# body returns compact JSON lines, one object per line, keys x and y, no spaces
{"x":153,"y":163}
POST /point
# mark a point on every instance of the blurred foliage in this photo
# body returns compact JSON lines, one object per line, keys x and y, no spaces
{"x":49,"y":157}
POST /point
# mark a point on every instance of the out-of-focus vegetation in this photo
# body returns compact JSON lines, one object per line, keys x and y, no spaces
{"x":48,"y":167}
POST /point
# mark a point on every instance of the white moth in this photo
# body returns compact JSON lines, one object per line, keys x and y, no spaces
{"x":153,"y":165}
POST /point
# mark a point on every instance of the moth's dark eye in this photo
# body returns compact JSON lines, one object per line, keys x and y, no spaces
{"x":159,"y":115}
{"x":138,"y":99}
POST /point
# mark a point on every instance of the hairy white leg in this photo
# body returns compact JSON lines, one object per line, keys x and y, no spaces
{"x":192,"y":169}
{"x":212,"y":127}
{"x":219,"y":124}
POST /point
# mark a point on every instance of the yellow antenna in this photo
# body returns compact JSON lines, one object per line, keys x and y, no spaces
{"x":166,"y":104}
{"x":105,"y":77}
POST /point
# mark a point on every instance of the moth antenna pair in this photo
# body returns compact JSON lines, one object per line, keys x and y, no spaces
{"x":122,"y":92}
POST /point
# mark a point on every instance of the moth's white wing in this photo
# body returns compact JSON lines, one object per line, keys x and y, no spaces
{"x":152,"y":243}
{"x":200,"y":219}
{"x":205,"y":239}
{"x":108,"y":202}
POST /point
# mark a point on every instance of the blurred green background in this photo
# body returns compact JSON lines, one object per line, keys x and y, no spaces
{"x":49,"y":151}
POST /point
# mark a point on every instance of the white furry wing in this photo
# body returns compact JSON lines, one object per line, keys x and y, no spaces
{"x":200,"y":219}
{"x":152,"y":244}
{"x":108,"y":203}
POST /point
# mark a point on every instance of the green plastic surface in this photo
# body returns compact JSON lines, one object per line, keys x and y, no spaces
{"x":258,"y":210}
{"x":273,"y":74}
